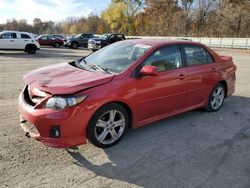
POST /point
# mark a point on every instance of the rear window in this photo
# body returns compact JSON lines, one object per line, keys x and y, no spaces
{"x":8,"y":36}
{"x":25,"y":36}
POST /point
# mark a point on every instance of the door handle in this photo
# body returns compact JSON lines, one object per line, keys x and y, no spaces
{"x":213,"y":69}
{"x":182,"y":76}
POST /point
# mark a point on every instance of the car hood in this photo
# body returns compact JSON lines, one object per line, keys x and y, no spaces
{"x":71,"y":38}
{"x":65,"y":79}
{"x":97,"y":39}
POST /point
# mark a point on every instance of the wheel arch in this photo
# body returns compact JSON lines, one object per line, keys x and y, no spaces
{"x":75,"y":41}
{"x":126,"y":107}
{"x":28,"y":45}
{"x":224,"y":83}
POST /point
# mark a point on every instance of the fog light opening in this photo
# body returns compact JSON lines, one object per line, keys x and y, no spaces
{"x":55,"y":132}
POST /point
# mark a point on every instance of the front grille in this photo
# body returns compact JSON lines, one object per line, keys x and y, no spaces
{"x":33,"y":97}
{"x":26,"y":97}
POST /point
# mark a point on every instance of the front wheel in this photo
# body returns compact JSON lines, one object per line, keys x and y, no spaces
{"x":74,"y":45}
{"x":108,"y":125}
{"x":30,"y":49}
{"x":216,"y":98}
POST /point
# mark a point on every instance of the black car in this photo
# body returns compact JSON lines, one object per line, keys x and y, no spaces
{"x":79,"y":40}
{"x":104,"y":40}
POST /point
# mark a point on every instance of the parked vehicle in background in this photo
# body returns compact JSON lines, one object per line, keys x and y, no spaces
{"x":80,"y":40}
{"x":64,"y":38}
{"x":125,"y":85}
{"x":15,"y":40}
{"x":50,"y":40}
{"x":104,"y":40}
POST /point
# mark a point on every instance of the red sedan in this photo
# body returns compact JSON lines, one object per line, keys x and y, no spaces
{"x":50,"y":40}
{"x":125,"y":85}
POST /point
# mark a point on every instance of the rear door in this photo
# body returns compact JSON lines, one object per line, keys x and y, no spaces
{"x":166,"y":92}
{"x":202,"y":73}
{"x":43,"y":40}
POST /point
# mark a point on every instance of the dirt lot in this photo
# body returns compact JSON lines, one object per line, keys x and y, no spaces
{"x":194,"y":149}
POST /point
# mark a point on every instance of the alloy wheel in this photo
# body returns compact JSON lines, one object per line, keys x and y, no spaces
{"x":217,"y":98}
{"x":110,"y":127}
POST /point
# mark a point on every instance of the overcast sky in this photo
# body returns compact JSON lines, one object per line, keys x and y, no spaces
{"x":55,"y":10}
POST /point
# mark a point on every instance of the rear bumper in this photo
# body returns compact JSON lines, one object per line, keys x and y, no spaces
{"x":230,"y":91}
{"x":38,"y":124}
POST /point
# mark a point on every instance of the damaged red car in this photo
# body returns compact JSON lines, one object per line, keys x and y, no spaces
{"x":125,"y":85}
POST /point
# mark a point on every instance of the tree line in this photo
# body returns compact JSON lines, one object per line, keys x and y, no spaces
{"x":201,"y":18}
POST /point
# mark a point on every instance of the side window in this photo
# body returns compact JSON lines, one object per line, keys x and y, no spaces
{"x":84,"y":36}
{"x":25,"y":36}
{"x":197,"y":55}
{"x":209,"y":58}
{"x":166,"y":58}
{"x":120,"y":37}
{"x":44,"y":38}
{"x":8,"y":36}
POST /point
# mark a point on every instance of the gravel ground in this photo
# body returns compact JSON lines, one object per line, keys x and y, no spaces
{"x":194,"y":149}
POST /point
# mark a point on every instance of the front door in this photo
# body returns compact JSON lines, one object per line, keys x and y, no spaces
{"x":166,"y":92}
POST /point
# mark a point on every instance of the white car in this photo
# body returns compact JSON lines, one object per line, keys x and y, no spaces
{"x":15,"y":40}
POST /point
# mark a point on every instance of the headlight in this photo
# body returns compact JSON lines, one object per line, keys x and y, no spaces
{"x":91,"y":41}
{"x":59,"y":103}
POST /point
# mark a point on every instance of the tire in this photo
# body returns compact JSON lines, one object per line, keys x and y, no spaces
{"x":30,"y":49}
{"x":108,"y":125}
{"x":94,"y":50}
{"x":56,"y":45}
{"x":74,"y":45}
{"x":216,"y":98}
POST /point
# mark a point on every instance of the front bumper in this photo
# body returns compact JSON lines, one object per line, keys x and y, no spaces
{"x":94,"y":46}
{"x":67,"y":43}
{"x":38,"y":122}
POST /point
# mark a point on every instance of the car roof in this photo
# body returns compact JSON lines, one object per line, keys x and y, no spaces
{"x":160,"y":42}
{"x":5,"y":31}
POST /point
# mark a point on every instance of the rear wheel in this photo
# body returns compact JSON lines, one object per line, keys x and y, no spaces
{"x":216,"y":98}
{"x":108,"y":125}
{"x":31,"y":49}
{"x":56,"y":45}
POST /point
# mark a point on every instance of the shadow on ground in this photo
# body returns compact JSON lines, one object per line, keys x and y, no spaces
{"x":48,"y":52}
{"x":194,"y":149}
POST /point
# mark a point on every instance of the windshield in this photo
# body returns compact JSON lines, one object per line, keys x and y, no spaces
{"x":76,"y":36}
{"x":116,"y":57}
{"x":105,"y":36}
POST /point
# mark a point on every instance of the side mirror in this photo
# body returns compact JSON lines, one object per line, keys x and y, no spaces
{"x":149,"y":71}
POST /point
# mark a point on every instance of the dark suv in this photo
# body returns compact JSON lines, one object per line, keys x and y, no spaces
{"x":79,"y":40}
{"x":104,"y":40}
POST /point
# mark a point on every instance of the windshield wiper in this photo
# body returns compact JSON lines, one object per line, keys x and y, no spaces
{"x":82,"y":65}
{"x":103,"y":69}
